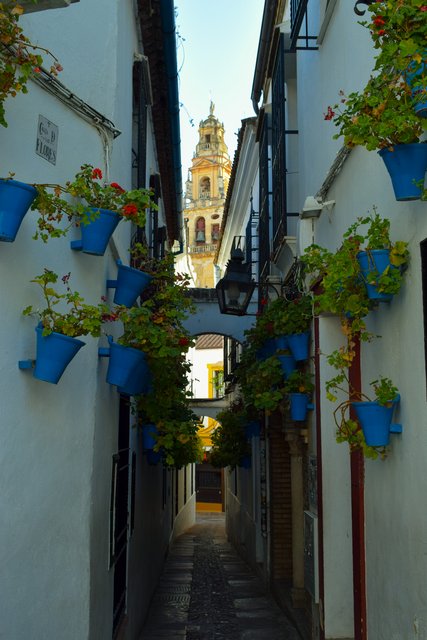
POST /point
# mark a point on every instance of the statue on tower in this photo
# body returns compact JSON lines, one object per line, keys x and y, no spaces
{"x":211,"y":108}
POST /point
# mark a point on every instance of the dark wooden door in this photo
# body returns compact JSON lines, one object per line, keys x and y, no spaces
{"x":209,"y":484}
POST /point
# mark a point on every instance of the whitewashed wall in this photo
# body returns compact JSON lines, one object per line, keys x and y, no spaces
{"x":396,"y":523}
{"x":57,"y":440}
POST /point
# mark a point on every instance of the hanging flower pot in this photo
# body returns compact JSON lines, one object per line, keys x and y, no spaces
{"x":299,"y":406}
{"x":139,"y":382}
{"x":245,"y":462}
{"x":375,"y":420}
{"x":267,"y":350}
{"x":407,"y":165}
{"x":154,"y":457}
{"x":281,"y":343}
{"x":288,"y":364}
{"x":149,"y":432}
{"x":374,"y":261}
{"x":15,"y":200}
{"x":412,"y":77}
{"x":123,"y":363}
{"x":252,"y":429}
{"x":96,"y":233}
{"x":129,"y":285}
{"x":299,"y":344}
{"x":54,"y":352}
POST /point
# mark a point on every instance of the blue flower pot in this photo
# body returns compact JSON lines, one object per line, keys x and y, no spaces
{"x":375,"y":420}
{"x":54,"y":353}
{"x":123,"y":364}
{"x":15,"y":200}
{"x":140,"y":381}
{"x":281,"y":343}
{"x":298,"y":406}
{"x":288,"y":364}
{"x":129,"y":285}
{"x":299,"y":344}
{"x":149,"y":432}
{"x":374,"y":261}
{"x":407,"y":165}
{"x":267,"y":350}
{"x":97,"y":233}
{"x":154,"y":457}
{"x":245,"y":462}
{"x":411,"y":76}
{"x":252,"y":429}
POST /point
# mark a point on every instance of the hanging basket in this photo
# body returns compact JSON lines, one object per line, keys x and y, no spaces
{"x":407,"y":165}
{"x":299,"y":344}
{"x":267,"y":350}
{"x":140,"y":382}
{"x":412,"y":78}
{"x":374,"y":261}
{"x":15,"y":200}
{"x":96,"y":233}
{"x":129,"y":285}
{"x":123,"y":364}
{"x":281,"y":343}
{"x":376,"y":422}
{"x":245,"y":462}
{"x":299,"y":406}
{"x":288,"y":364}
{"x":252,"y":429}
{"x":54,"y":352}
{"x":149,"y":432}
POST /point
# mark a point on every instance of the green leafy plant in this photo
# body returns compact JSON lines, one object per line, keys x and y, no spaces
{"x":299,"y":381}
{"x":77,"y":319}
{"x":20,"y":59}
{"x":229,"y":443}
{"x":382,"y":115}
{"x":338,"y":289}
{"x":292,"y":316}
{"x":79,"y":201}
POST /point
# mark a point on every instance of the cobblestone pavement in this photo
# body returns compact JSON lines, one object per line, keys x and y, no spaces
{"x":207,"y":592}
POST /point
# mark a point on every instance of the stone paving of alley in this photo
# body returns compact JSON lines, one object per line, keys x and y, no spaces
{"x":207,"y":592}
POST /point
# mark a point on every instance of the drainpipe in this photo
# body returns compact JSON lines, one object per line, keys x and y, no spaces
{"x":357,"y":469}
{"x":320,"y":564}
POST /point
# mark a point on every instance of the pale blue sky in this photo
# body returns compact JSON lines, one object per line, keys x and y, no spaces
{"x":229,"y":30}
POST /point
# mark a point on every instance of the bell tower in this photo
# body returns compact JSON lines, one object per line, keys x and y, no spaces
{"x":206,"y":189}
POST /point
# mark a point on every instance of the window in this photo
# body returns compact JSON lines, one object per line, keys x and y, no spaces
{"x":200,"y":235}
{"x":205,"y":187}
{"x":215,"y":233}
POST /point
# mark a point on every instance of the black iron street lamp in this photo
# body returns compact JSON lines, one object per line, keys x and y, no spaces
{"x":235,"y":289}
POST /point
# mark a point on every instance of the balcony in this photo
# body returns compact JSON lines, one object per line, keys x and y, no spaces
{"x":202,"y":248}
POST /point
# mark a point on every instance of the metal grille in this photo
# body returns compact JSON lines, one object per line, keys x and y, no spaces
{"x":298,"y":15}
{"x":119,"y":517}
{"x":264,"y":194}
{"x":278,"y":145}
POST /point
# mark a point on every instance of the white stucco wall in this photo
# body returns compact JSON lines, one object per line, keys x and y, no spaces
{"x":396,"y":524}
{"x":58,"y":440}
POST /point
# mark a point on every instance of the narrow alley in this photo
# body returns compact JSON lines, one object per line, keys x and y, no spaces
{"x":207,"y":592}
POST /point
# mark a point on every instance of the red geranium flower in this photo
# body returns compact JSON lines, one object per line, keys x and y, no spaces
{"x":130,"y":210}
{"x":379,"y":21}
{"x":117,"y":187}
{"x":97,"y":174}
{"x":183,"y":342}
{"x":424,"y":7}
{"x":329,"y":114}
